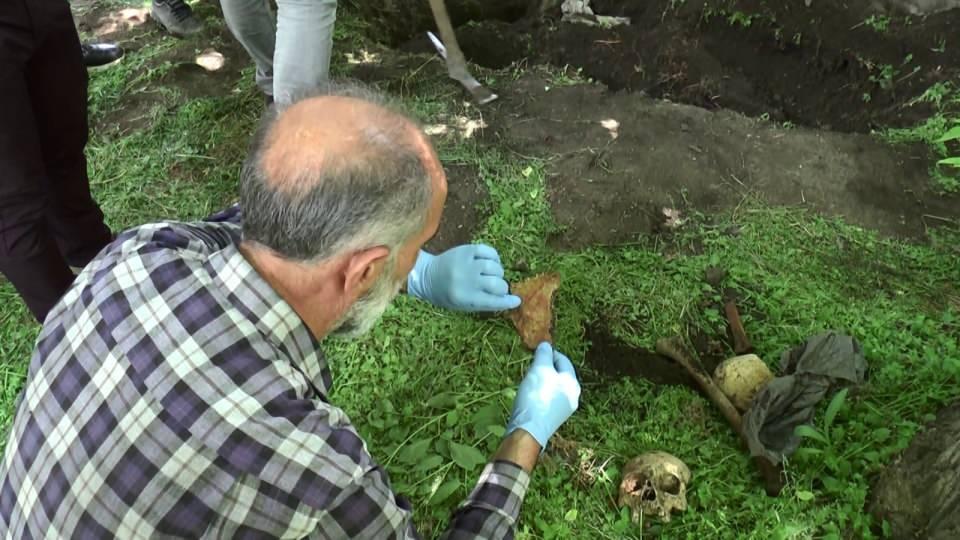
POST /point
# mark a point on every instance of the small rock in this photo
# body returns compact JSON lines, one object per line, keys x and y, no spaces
{"x":211,"y":60}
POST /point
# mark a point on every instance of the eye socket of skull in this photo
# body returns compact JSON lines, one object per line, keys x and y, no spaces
{"x":671,"y":484}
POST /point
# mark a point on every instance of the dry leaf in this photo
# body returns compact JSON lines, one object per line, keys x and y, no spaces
{"x":534,"y":318}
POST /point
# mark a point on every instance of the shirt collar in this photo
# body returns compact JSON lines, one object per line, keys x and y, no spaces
{"x":273,"y":317}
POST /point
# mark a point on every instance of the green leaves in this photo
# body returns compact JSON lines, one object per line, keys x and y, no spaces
{"x":497,"y":431}
{"x":490,"y":414}
{"x":415,"y":451}
{"x":489,"y":419}
{"x":835,"y":404}
{"x":950,"y":135}
{"x":881,"y":434}
{"x":429,"y":463}
{"x":467,"y":457}
{"x":444,"y":400}
{"x":823,"y":437}
{"x":952,"y":161}
{"x":444,"y":491}
{"x":808,"y":432}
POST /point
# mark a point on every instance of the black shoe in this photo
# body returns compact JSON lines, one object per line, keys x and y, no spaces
{"x":176,"y":16}
{"x":98,"y":54}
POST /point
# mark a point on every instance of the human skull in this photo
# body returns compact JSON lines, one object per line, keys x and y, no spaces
{"x":740,"y":378}
{"x":654,"y":484}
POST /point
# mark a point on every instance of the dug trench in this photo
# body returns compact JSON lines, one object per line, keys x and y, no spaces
{"x":616,"y":157}
{"x":848,"y":67}
{"x":615,"y":160}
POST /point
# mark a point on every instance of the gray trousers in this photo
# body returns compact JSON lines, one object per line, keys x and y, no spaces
{"x":292,"y":52}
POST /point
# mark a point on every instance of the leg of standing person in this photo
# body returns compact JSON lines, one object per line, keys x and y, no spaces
{"x":45,"y":204}
{"x":176,"y":17}
{"x":60,"y":110}
{"x":252,"y":24}
{"x":292,"y":54}
{"x":303,"y":47}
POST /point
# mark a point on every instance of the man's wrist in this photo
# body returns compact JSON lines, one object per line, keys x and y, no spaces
{"x":521,"y":448}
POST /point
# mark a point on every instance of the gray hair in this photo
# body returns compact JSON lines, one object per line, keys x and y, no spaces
{"x":381,"y":199}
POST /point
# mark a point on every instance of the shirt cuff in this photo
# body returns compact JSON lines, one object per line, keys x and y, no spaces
{"x":501,"y":487}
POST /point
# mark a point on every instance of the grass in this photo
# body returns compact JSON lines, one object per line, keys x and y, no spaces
{"x":944,"y":97}
{"x":427,"y":385}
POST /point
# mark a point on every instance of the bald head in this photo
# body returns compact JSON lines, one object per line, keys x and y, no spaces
{"x":331,"y":134}
{"x":339,"y":170}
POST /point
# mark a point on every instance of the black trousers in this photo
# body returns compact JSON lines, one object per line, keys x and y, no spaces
{"x":48,"y":219}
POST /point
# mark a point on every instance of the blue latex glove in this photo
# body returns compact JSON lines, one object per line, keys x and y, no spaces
{"x":548,"y":395}
{"x":464,"y":278}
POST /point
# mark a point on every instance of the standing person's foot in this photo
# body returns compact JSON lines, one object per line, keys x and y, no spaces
{"x":176,"y":16}
{"x":98,"y":54}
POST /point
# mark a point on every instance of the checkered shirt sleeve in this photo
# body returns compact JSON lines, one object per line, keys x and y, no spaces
{"x":173,"y":393}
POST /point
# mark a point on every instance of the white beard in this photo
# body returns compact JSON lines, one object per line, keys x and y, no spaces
{"x":367,"y":310}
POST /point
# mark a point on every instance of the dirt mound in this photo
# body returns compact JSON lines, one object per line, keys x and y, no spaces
{"x":917,"y":495}
{"x":842,"y":67}
{"x":617,"y":159}
{"x":827,"y":65}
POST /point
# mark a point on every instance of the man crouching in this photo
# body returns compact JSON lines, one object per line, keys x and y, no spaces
{"x":179,"y":389}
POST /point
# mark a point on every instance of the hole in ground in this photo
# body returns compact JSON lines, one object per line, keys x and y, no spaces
{"x":491,"y":43}
{"x":612,"y":357}
{"x":396,"y":22}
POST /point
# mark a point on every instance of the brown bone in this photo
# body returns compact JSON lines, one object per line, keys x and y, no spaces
{"x":741,"y":343}
{"x":674,"y":349}
{"x":534,"y":318}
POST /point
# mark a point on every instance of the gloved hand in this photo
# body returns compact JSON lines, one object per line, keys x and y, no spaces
{"x":464,"y":278}
{"x":548,"y":395}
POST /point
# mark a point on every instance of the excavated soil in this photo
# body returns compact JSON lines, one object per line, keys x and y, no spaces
{"x":615,"y":160}
{"x":822,"y":66}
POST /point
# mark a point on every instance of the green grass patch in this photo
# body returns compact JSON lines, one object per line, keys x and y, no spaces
{"x":427,"y":380}
{"x":938,"y":132}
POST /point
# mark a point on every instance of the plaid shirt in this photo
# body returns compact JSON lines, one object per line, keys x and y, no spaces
{"x":173,"y":393}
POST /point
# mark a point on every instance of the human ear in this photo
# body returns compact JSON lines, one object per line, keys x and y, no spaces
{"x":363,"y":268}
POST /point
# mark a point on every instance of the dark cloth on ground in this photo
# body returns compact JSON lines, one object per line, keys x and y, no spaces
{"x":809,"y":372}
